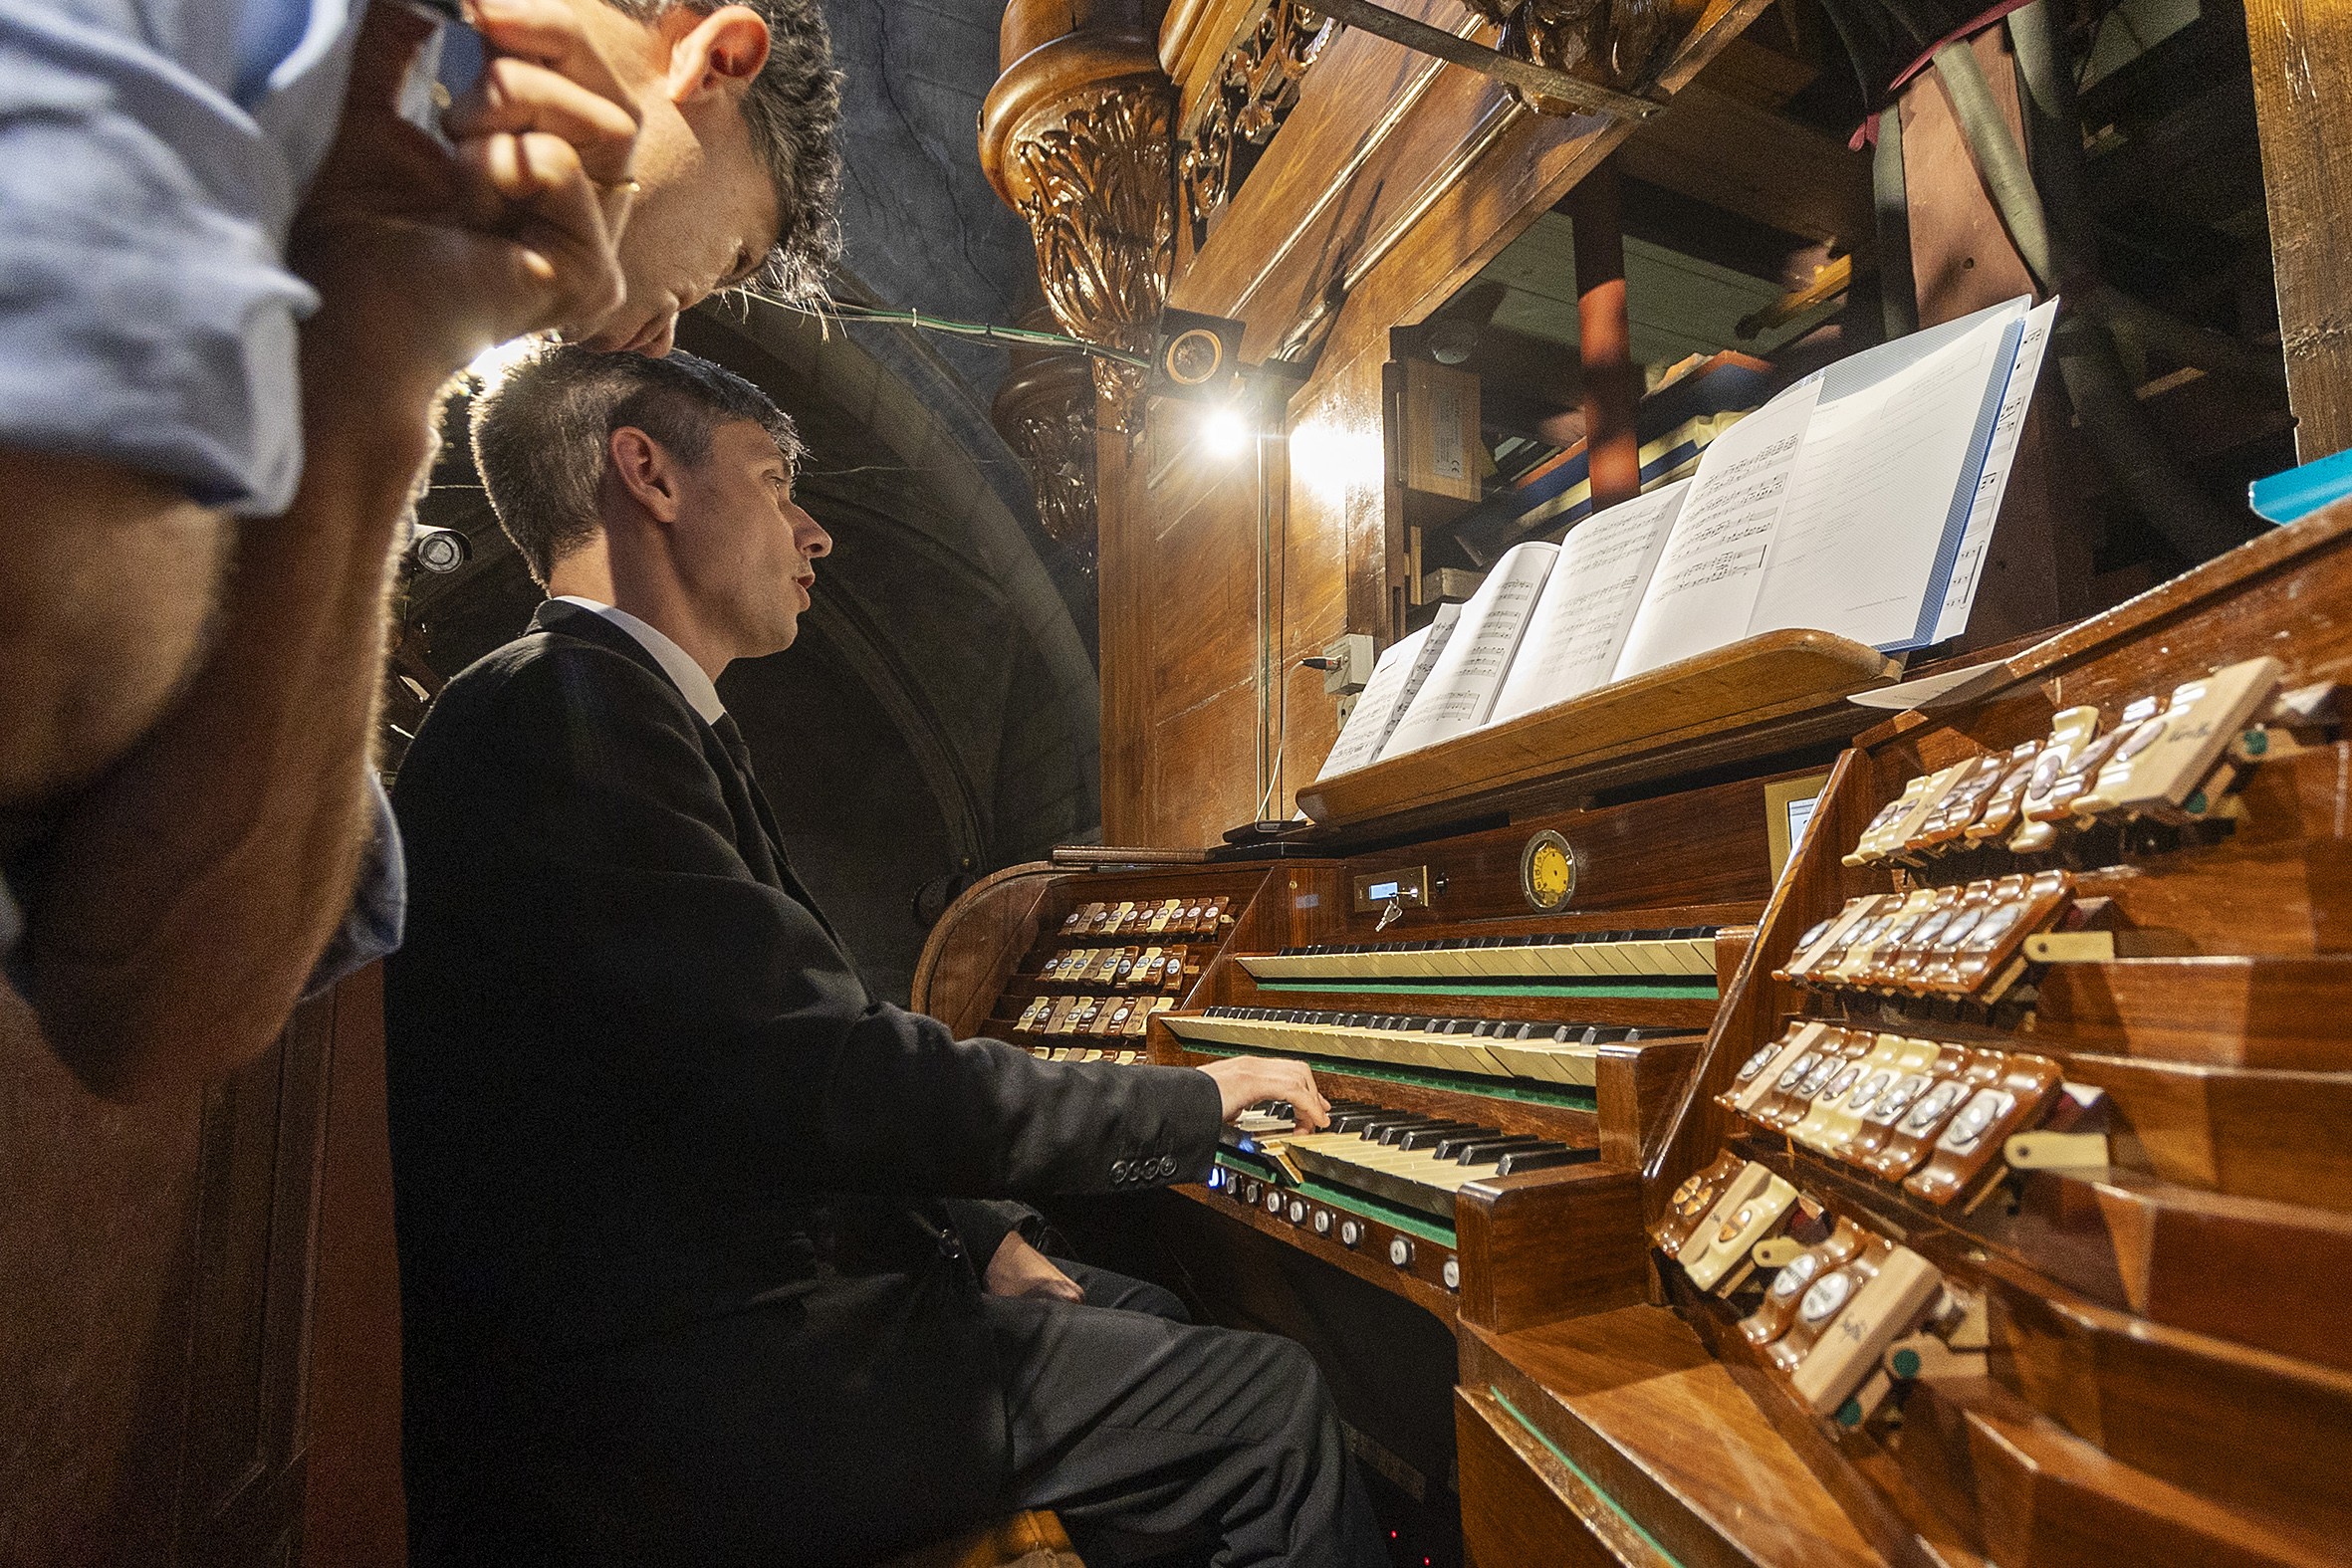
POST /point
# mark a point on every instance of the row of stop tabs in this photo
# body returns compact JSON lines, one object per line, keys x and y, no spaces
{"x":1842,"y":1315}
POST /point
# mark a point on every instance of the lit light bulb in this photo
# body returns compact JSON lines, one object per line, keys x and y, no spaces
{"x":1225,"y":433}
{"x":489,"y":368}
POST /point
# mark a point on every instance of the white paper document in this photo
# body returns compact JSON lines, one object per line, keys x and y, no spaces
{"x":1462,"y":685}
{"x":1704,"y":590}
{"x":1992,"y":481}
{"x":1580,"y":623}
{"x":1859,"y":502}
{"x":1397,"y":676}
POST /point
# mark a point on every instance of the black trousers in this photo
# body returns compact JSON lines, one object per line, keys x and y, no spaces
{"x":1147,"y":1433}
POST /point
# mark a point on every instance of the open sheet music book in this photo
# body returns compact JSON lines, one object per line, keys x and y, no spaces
{"x":1396,"y":679}
{"x":1859,"y":502}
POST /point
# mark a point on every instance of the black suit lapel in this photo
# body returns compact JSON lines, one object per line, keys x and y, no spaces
{"x":756,"y":837}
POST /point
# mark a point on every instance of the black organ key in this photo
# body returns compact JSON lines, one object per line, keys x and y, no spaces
{"x":1389,"y":1132}
{"x":1436,"y":1127}
{"x":1515,"y":1161}
{"x":1431,"y":1137}
{"x":1487,"y":1150}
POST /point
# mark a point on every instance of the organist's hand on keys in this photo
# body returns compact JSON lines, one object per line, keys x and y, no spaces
{"x":1251,"y":1081}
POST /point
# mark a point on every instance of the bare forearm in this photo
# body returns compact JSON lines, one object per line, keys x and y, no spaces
{"x":194,"y":890}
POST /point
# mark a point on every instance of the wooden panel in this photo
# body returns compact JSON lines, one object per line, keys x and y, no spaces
{"x":972,"y":949}
{"x":1540,"y":1247}
{"x":1699,"y":850}
{"x":1961,"y":258}
{"x":2221,"y":1011}
{"x":1336,"y":551}
{"x":1203,"y":593}
{"x":156,"y":1262}
{"x":1123,"y":560}
{"x":2248,"y":1429}
{"x":2303,"y":67}
{"x":2281,"y":1135}
{"x":1638,"y":1088}
{"x":355,"y":1510}
{"x":2037,"y":1496}
{"x":1743,"y":159}
{"x":1202,"y":779}
{"x":1522,"y":1507}
{"x":1634,"y":1398}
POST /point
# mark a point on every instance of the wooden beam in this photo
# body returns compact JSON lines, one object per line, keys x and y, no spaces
{"x":1605,"y":340}
{"x":1734,"y":155}
{"x":2303,"y":67}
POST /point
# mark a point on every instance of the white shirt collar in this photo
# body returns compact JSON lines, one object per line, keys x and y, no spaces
{"x":675,"y":662}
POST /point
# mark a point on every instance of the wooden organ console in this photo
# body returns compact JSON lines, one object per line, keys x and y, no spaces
{"x":1500,"y":1076}
{"x":1967,"y":1186}
{"x":1976,"y":1194}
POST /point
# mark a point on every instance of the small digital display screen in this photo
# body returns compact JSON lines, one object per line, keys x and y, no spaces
{"x":1381,"y":890}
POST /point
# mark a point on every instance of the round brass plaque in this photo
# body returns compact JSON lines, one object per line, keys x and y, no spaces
{"x":1548,"y":872}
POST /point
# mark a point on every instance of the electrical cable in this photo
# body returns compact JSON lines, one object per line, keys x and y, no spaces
{"x":986,"y":331}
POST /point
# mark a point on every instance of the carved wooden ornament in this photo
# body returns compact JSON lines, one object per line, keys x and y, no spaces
{"x":1076,"y":136}
{"x":1614,"y":43}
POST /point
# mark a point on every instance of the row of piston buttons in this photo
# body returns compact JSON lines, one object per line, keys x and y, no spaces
{"x":1348,"y":1229}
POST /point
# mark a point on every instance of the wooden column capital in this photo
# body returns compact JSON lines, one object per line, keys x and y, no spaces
{"x":1076,"y":138}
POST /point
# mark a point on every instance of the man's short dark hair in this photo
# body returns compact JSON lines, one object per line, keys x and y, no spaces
{"x":542,"y":434}
{"x":794,"y":109}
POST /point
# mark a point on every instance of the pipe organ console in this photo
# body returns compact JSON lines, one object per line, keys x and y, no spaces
{"x":1976,"y":1193}
{"x":1500,"y":1074}
{"x":1967,"y":1181}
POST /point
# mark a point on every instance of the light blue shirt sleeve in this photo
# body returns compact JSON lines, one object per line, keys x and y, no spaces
{"x":371,"y":927}
{"x":152,"y":154}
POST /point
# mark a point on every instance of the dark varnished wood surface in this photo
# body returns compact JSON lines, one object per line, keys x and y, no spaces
{"x":1635,"y":1398}
{"x":972,"y":949}
{"x":2034,"y":1495}
{"x":1522,"y":1506}
{"x":1551,"y":1244}
{"x":2251,"y":1430}
{"x":156,"y":1264}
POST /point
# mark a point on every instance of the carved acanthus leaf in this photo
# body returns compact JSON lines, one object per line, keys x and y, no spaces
{"x":1057,"y":444}
{"x":1094,"y":189}
{"x":1613,"y":43}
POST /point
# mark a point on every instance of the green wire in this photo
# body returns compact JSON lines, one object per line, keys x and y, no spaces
{"x":1028,"y":336}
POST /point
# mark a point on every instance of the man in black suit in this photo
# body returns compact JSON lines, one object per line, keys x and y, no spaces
{"x":685,"y":1273}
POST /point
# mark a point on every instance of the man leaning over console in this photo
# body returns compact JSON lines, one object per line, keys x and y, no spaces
{"x":235,"y":278}
{"x":676,"y":1285}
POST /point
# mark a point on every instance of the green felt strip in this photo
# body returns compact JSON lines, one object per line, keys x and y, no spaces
{"x":1578,"y":1470}
{"x":1421,"y":1077}
{"x":1616,"y":990}
{"x":1395,"y":1217}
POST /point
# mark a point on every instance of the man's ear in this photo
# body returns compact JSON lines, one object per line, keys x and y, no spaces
{"x":645,"y":472}
{"x":721,"y":52}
